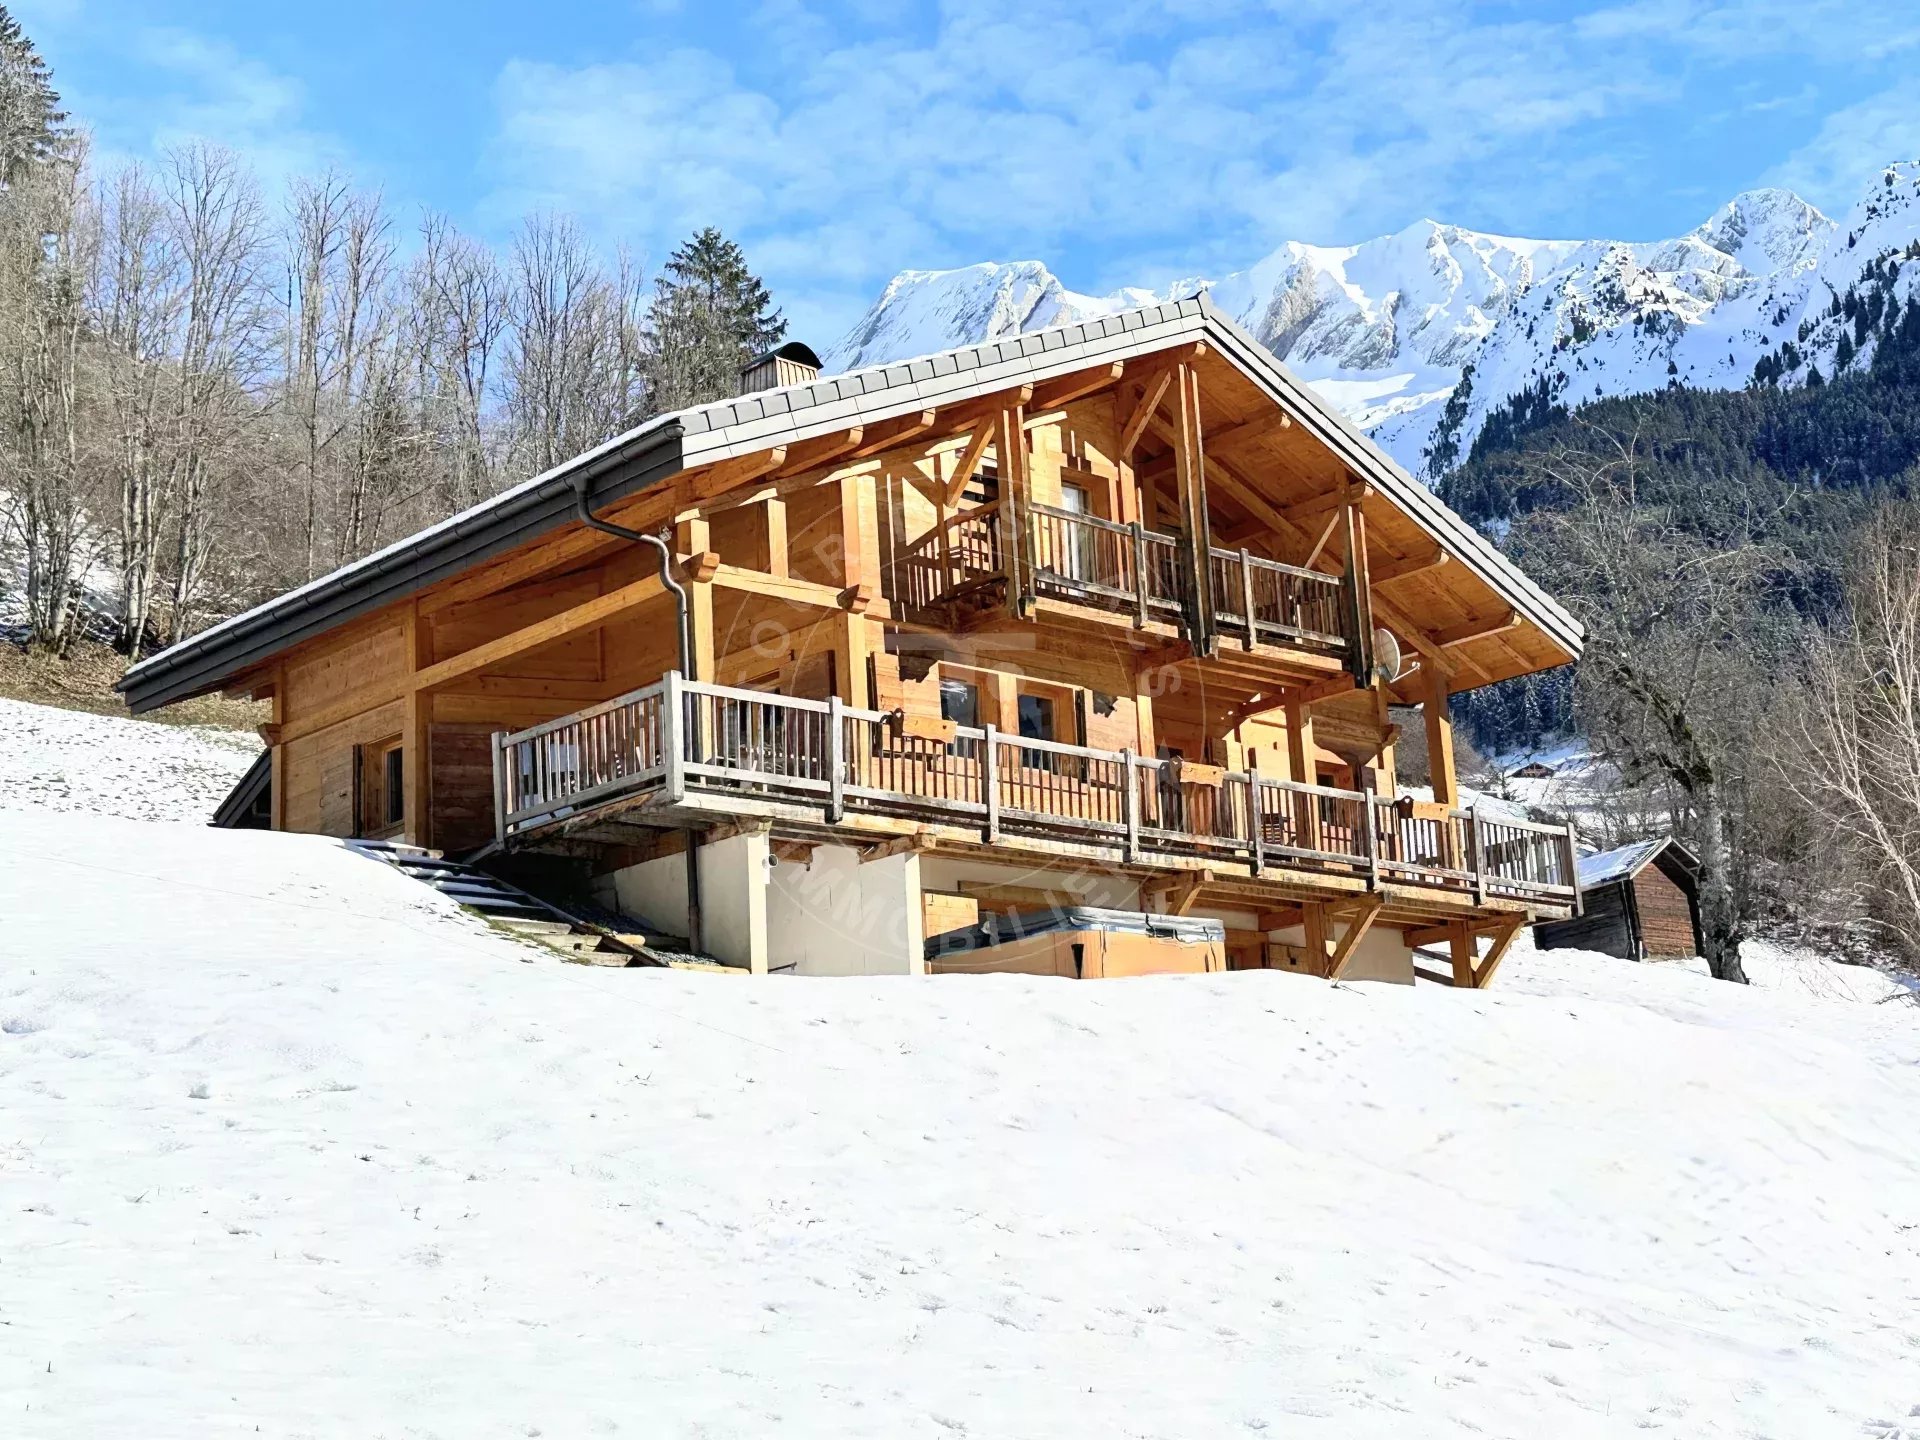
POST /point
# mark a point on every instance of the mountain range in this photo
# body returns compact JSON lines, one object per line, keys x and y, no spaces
{"x":1420,"y":336}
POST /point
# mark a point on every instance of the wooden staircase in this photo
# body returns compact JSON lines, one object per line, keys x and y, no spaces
{"x":512,"y":909}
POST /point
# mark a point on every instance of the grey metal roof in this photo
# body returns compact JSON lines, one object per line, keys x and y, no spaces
{"x":654,"y":452}
{"x":1628,"y":861}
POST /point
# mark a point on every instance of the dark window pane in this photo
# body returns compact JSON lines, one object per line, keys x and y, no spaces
{"x":396,"y":786}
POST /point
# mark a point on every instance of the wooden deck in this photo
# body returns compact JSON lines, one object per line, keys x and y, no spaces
{"x":847,"y":768}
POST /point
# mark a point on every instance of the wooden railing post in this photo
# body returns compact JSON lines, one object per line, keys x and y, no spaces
{"x":1139,"y":574}
{"x":1246,"y":589}
{"x":1255,"y":820}
{"x":836,"y":763}
{"x":500,"y":786}
{"x":990,"y":781}
{"x":1572,"y":861}
{"x":672,"y":728}
{"x":1131,"y":802}
{"x":1476,"y":843}
{"x":1370,"y":837}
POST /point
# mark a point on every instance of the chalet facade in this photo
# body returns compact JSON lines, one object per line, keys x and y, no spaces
{"x":1118,"y":615}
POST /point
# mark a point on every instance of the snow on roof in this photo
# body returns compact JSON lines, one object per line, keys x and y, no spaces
{"x":1625,"y":862}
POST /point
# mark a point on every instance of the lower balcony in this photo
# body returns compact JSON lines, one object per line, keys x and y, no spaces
{"x":679,"y":746}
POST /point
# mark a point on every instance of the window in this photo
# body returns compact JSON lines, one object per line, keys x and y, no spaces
{"x":960,"y":703}
{"x":379,"y":787}
{"x":1036,"y":723}
{"x":396,"y":786}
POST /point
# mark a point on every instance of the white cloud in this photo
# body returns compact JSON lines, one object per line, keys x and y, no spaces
{"x":1157,"y":143}
{"x":1852,"y":146}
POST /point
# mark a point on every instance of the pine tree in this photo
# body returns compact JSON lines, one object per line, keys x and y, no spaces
{"x":710,"y":314}
{"x":31,"y":120}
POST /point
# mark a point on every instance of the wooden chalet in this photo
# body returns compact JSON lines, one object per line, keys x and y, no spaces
{"x":1114,"y":614}
{"x":1639,"y":902}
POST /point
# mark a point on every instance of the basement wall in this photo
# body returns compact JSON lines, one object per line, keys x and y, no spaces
{"x":837,"y":916}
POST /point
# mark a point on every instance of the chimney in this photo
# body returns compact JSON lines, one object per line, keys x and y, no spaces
{"x":792,"y":364}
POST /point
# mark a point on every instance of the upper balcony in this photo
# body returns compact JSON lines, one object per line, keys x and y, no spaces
{"x":1127,"y":573}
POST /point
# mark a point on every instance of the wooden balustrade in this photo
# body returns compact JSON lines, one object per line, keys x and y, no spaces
{"x":1287,"y":604}
{"x":683,"y":738}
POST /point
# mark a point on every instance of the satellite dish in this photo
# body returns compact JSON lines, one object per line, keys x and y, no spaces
{"x":1388,"y":663}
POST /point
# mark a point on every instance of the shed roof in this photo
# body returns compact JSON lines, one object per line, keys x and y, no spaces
{"x":1628,"y":861}
{"x":653,"y":452}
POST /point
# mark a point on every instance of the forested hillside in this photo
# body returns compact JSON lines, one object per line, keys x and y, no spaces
{"x":212,"y":390}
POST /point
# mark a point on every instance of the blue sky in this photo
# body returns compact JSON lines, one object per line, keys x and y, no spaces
{"x":1121,"y":142}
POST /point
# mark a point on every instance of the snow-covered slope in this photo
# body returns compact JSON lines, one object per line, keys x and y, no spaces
{"x":52,"y":759}
{"x":1394,"y":329}
{"x":292,"y":1145}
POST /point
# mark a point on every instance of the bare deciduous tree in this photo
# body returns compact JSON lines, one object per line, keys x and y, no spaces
{"x":1857,"y":760}
{"x":1677,"y":671}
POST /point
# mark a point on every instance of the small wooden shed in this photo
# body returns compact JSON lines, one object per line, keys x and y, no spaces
{"x":1640,"y":902}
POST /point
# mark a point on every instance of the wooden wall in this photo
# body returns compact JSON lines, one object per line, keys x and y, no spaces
{"x":1669,"y":917}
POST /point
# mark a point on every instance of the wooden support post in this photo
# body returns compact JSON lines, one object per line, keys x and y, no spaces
{"x":416,"y":734}
{"x":1370,"y":836}
{"x":990,"y":780}
{"x":277,"y":774}
{"x":1476,"y":845}
{"x":1436,"y":712}
{"x":778,"y":562}
{"x":1357,"y":584}
{"x":1571,"y":854}
{"x":1300,"y":761}
{"x":1461,"y":946}
{"x":1191,"y":468}
{"x":1010,"y":452}
{"x":836,"y":763}
{"x":1314,"y":921}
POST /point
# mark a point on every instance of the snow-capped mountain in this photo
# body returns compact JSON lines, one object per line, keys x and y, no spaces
{"x":1420,"y":335}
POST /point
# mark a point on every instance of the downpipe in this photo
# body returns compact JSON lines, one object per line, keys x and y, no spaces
{"x":583,"y":507}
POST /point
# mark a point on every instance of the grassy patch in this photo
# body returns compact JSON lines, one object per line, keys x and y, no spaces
{"x":85,"y":680}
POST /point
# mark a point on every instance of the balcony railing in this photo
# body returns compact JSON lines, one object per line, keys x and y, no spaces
{"x":1089,"y":561}
{"x":684,"y":739}
{"x":1287,"y":605}
{"x":1126,"y":570}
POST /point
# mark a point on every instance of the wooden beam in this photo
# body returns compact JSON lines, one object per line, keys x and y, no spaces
{"x":1248,"y":431}
{"x":1352,"y":493}
{"x":806,"y":455}
{"x":1281,"y":919}
{"x":1069,"y":388}
{"x":1444,"y":931}
{"x":1320,"y":542}
{"x":807,"y":593}
{"x":584,"y":616}
{"x":1473,"y":630}
{"x":1171,"y":653}
{"x":904,"y":845}
{"x":1315,"y":921}
{"x":1411,"y":565}
{"x":1503,"y":939}
{"x":898,"y":434}
{"x":737,"y":471}
{"x":1360,"y":919}
{"x":969,"y":462}
{"x":1149,"y":402}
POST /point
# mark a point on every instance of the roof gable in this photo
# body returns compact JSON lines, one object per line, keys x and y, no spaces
{"x":666,"y":445}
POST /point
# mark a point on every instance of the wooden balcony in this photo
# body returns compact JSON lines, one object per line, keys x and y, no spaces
{"x":1127,"y":571}
{"x":675,"y":743}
